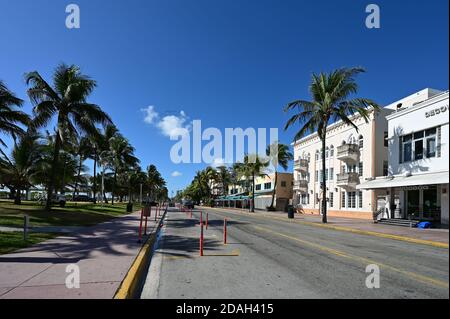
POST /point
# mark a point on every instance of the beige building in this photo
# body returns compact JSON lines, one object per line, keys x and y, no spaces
{"x":351,"y":158}
{"x":239,"y":195}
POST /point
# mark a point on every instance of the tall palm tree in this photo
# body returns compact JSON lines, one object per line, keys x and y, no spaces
{"x":122,"y":158}
{"x":331,"y":100}
{"x":84,"y":150}
{"x":254,"y":166}
{"x":102,"y":154}
{"x":10,"y":116}
{"x":224,"y":177}
{"x":154,"y":180}
{"x":67,"y":101}
{"x":279,"y":155}
{"x":21,"y":168}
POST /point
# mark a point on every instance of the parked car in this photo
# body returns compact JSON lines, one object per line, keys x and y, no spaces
{"x":59,"y":199}
{"x":83,"y":198}
{"x":188,"y":204}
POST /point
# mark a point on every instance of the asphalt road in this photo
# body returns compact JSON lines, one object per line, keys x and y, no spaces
{"x":267,"y":258}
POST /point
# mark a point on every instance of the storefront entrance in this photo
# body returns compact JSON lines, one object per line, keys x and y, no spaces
{"x":423,"y":203}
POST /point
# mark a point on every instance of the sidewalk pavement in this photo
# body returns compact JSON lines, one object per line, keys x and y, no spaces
{"x":104,"y":254}
{"x":435,"y":235}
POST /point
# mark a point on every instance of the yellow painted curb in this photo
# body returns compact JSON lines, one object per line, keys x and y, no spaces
{"x":351,"y":230}
{"x":128,"y":287}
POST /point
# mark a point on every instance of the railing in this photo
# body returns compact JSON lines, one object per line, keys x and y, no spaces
{"x":348,"y":178}
{"x":301,"y":185}
{"x":301,"y":164}
{"x":348,"y":152}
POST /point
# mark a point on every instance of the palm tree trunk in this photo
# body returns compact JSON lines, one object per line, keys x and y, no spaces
{"x":114,"y":186}
{"x":94,"y":186}
{"x":18,"y":199}
{"x":253,"y":193}
{"x":55,"y":161}
{"x":274,"y":190}
{"x":78,"y":177}
{"x":324,"y":183}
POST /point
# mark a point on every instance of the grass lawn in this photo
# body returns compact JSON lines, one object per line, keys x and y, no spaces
{"x":74,"y":214}
{"x":10,"y":242}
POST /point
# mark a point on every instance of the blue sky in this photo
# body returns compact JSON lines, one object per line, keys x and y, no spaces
{"x":228,"y":63}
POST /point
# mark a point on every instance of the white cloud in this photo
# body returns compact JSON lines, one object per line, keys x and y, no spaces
{"x":174,"y":126}
{"x":150,"y":114}
{"x":218,"y":162}
{"x":176,"y":174}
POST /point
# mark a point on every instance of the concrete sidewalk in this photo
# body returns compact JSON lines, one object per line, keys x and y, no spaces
{"x":104,"y":254}
{"x":434,"y":235}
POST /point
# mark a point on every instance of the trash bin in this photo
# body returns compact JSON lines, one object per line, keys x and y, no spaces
{"x":290,"y":212}
{"x":129,"y":207}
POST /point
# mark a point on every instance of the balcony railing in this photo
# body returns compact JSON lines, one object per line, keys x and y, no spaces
{"x":301,"y":186}
{"x":301,"y":165}
{"x":347,"y":180}
{"x":348,"y":153}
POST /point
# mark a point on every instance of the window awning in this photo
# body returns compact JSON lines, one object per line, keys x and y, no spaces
{"x":418,"y":179}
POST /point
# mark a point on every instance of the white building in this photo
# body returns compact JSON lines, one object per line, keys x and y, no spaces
{"x":417,"y":185}
{"x":351,"y":157}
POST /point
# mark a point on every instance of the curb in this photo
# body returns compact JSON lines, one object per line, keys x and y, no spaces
{"x":130,"y":284}
{"x":352,"y":230}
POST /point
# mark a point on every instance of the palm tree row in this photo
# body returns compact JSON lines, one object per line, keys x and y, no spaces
{"x":82,"y":131}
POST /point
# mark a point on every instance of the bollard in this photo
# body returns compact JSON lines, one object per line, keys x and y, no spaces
{"x":201,"y":218}
{"x":225,"y":231}
{"x":140,"y":226}
{"x":201,"y":240}
{"x":26,"y":224}
{"x":146,"y":218}
{"x":206,"y":221}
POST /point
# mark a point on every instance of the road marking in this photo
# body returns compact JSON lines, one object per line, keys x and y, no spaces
{"x":366,"y":261}
{"x":348,"y":229}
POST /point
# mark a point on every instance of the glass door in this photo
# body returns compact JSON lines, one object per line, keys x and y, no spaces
{"x":431,"y":209}
{"x":413,"y":204}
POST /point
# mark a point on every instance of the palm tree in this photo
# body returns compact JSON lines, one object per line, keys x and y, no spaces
{"x":331,"y":100}
{"x":21,"y":168}
{"x":224,"y":177}
{"x":254,"y":166}
{"x":278,"y":154}
{"x":67,"y":101}
{"x":102,"y":154}
{"x":84,"y":150}
{"x":122,"y":158}
{"x":10,"y":117}
{"x":154,"y":180}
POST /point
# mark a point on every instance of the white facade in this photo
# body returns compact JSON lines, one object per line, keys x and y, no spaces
{"x":418,"y":158}
{"x":351,"y":157}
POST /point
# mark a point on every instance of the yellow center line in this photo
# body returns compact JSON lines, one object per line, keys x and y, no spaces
{"x":366,"y":261}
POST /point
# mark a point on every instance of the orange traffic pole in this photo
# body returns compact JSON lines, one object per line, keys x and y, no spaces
{"x":146,"y":218}
{"x":140,"y":227}
{"x":225,"y":231}
{"x":201,"y":240}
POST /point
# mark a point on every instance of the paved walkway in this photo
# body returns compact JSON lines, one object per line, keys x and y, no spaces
{"x":104,"y":254}
{"x":437,"y":235}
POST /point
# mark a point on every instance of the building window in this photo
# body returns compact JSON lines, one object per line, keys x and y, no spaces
{"x":331,"y":199}
{"x":351,"y":199}
{"x":331,"y":151}
{"x":331,"y":173}
{"x":360,"y":169}
{"x":385,"y":168}
{"x":419,"y":145}
{"x":317,"y":155}
{"x":386,"y":139}
{"x":360,"y":199}
{"x":327,"y":152}
{"x":343,"y":199}
{"x":258,"y":187}
{"x":326,"y":174}
{"x":267,"y":185}
{"x":283,"y":183}
{"x":361,"y":141}
{"x":317,"y":176}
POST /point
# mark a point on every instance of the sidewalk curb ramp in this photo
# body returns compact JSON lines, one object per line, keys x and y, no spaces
{"x":130,"y":285}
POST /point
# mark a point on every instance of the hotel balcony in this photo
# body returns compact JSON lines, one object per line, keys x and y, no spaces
{"x":301,"y":186}
{"x":301,"y":165}
{"x":348,"y":153}
{"x":347,"y":180}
